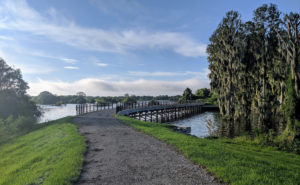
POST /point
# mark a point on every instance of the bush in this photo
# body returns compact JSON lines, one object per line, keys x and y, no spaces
{"x":12,"y":127}
{"x":213,"y":100}
{"x":129,"y":100}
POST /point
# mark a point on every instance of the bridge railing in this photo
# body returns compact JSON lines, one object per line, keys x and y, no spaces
{"x":87,"y":108}
{"x":126,"y":106}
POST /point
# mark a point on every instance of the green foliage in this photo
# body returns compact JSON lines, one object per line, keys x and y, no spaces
{"x":46,"y":98}
{"x":11,"y":127}
{"x":100,"y":100}
{"x":79,"y":100}
{"x":92,"y":99}
{"x":13,"y":100}
{"x":290,"y":103}
{"x":50,"y":155}
{"x":187,"y":95}
{"x":129,"y":99}
{"x":15,"y":105}
{"x":18,"y":113}
{"x":255,"y":72}
{"x":202,"y":93}
{"x":213,"y":99}
{"x":238,"y":161}
{"x":11,"y":79}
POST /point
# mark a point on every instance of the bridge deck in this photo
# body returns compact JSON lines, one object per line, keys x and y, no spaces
{"x":154,"y":108}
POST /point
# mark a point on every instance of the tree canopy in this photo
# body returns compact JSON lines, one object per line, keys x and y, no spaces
{"x":13,"y":99}
{"x":254,"y":69}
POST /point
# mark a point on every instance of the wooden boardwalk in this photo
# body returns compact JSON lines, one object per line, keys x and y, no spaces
{"x":162,"y":112}
{"x":167,"y":113}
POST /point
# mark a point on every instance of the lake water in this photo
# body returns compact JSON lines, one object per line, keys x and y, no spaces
{"x":51,"y":112}
{"x":202,"y":125}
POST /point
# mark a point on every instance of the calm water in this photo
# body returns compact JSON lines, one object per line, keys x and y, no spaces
{"x":202,"y":125}
{"x":51,"y":112}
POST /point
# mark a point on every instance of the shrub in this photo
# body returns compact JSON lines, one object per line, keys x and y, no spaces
{"x":11,"y":127}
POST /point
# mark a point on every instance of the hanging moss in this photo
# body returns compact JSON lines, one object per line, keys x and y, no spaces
{"x":290,"y":103}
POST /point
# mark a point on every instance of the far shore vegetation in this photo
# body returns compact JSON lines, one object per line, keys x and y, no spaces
{"x":47,"y":98}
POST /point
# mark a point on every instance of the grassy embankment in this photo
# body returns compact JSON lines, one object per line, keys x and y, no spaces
{"x":237,"y":161}
{"x":52,"y":154}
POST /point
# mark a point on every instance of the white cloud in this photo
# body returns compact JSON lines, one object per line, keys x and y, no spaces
{"x":71,"y":67}
{"x":69,"y":60}
{"x":31,"y":69}
{"x":25,"y":67}
{"x":15,"y":47}
{"x":101,"y":64}
{"x":19,"y":16}
{"x":100,"y":87}
{"x":158,"y":73}
{"x":199,"y":75}
{"x":6,"y":38}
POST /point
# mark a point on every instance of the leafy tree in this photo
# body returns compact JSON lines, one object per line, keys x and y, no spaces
{"x":187,"y":95}
{"x":13,"y":99}
{"x":226,"y":53}
{"x":79,"y":100}
{"x":255,"y":71}
{"x":129,"y":99}
{"x":46,"y":98}
{"x":80,"y":94}
{"x":203,"y":93}
{"x":11,"y":79}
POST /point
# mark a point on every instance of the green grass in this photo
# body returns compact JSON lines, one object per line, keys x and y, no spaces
{"x":52,"y":154}
{"x":237,"y":161}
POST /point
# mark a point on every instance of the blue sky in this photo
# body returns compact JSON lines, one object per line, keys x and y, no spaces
{"x":109,"y":48}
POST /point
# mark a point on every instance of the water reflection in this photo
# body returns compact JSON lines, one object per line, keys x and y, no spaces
{"x":211,"y":124}
{"x":202,"y":125}
{"x":51,"y":112}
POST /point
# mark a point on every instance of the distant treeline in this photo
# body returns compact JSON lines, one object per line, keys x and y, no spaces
{"x":51,"y":99}
{"x":255,"y":71}
{"x":47,"y":98}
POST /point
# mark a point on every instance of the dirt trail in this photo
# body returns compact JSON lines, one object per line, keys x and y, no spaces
{"x":119,"y":155}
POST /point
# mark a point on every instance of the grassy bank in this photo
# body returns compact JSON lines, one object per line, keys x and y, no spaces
{"x":52,"y":154}
{"x":236,"y":161}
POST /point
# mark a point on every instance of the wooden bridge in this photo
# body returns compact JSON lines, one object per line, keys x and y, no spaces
{"x":167,"y":113}
{"x":146,"y":111}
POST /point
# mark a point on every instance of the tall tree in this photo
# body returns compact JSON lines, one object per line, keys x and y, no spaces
{"x":255,"y":69}
{"x":187,"y":95}
{"x":13,"y":99}
{"x":225,"y":55}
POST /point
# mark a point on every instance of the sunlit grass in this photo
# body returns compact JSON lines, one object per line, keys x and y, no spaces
{"x":52,"y":154}
{"x":235,"y":161}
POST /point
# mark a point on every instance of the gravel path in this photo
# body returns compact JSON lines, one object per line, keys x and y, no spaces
{"x":117,"y":154}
